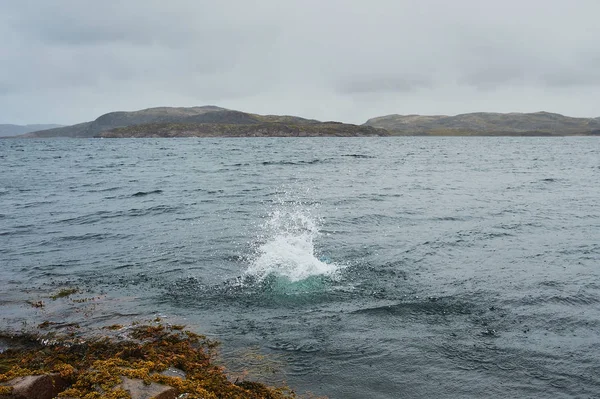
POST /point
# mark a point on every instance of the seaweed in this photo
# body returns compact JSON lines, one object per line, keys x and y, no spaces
{"x":94,"y":368}
{"x":65,"y":292}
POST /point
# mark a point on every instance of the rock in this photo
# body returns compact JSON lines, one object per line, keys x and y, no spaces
{"x":174,"y":372}
{"x":45,"y":386}
{"x":138,"y":390}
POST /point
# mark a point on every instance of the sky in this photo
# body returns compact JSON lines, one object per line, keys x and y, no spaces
{"x":70,"y":61}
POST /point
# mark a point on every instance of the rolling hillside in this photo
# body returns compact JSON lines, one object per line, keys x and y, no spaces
{"x":488,"y":124}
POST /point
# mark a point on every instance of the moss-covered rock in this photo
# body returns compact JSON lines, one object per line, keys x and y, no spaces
{"x":101,"y":368}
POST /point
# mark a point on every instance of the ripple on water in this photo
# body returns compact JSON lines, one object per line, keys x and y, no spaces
{"x":380,"y":268}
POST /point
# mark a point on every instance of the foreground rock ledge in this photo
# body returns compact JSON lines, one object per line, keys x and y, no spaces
{"x":45,"y":386}
{"x":48,"y":386}
{"x":151,"y":362}
{"x":139,"y":390}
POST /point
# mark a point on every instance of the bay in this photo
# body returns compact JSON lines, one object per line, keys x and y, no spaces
{"x":351,"y":267}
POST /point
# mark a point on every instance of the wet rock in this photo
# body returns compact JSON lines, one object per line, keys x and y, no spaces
{"x":45,"y":386}
{"x":489,"y":333}
{"x":139,"y":390}
{"x":174,"y":372}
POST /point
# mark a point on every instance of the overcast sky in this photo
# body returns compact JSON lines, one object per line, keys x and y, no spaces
{"x":69,"y":61}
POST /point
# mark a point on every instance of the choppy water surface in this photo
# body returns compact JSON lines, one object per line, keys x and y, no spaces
{"x":359,"y":268}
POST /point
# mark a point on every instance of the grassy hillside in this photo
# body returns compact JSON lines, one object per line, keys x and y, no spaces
{"x":212,"y":121}
{"x":167,"y":115}
{"x":488,"y":124}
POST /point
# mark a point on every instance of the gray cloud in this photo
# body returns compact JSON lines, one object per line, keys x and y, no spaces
{"x":570,"y":78}
{"x":6,"y":88}
{"x":68,"y":61}
{"x":489,"y":67}
{"x":382,"y":84}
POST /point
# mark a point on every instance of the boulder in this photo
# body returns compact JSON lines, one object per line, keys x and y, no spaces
{"x":139,"y":390}
{"x":45,"y":386}
{"x":174,"y":372}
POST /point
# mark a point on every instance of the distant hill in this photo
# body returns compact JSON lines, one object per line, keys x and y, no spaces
{"x":488,"y":124}
{"x":166,"y":115}
{"x":15,"y":130}
{"x":209,"y":121}
{"x":264,"y":129}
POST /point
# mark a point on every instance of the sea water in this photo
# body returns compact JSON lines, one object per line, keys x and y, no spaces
{"x":349,"y":267}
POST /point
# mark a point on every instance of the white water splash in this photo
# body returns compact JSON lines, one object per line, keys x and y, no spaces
{"x":288,"y":249}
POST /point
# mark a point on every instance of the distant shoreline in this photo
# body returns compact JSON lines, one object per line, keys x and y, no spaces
{"x":225,"y":136}
{"x":213,"y":121}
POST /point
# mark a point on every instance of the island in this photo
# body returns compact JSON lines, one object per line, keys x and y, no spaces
{"x":488,"y":124}
{"x":213,"y":121}
{"x":205,"y":121}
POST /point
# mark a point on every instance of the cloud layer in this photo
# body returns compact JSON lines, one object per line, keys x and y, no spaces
{"x":68,"y":61}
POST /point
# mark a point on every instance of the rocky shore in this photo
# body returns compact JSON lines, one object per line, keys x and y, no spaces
{"x":141,"y":362}
{"x":325,"y":129}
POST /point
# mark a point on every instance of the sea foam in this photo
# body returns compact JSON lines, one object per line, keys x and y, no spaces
{"x":287,"y":245}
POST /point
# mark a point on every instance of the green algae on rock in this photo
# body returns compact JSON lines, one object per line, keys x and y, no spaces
{"x":65,"y":292}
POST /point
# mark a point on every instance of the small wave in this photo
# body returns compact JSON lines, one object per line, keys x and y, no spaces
{"x":570,"y":300}
{"x":579,"y":299}
{"x":372,"y":219}
{"x":310,"y":162}
{"x":155,"y":210}
{"x":450,"y":219}
{"x":144,"y":193}
{"x":18,"y":230}
{"x":102,"y":190}
{"x":92,"y":237}
{"x":593,"y":249}
{"x":430,"y":306}
{"x":358,"y":156}
{"x":294,"y":347}
{"x":102,"y":215}
{"x":237,"y":165}
{"x":88,"y":219}
{"x":35,"y":204}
